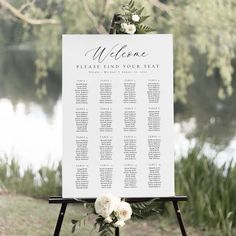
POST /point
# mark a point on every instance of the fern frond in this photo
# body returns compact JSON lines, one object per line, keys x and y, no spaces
{"x":131,"y":4}
{"x":143,"y":18}
{"x":139,"y":12}
{"x":143,"y":29}
{"x":106,"y":231}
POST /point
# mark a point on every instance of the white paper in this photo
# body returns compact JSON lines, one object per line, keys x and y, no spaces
{"x":118,"y":115}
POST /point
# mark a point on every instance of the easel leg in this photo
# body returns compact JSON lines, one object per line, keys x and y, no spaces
{"x":117,"y":231}
{"x":60,"y":219}
{"x":179,"y":217}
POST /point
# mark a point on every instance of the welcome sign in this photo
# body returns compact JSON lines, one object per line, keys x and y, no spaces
{"x":118,"y":116}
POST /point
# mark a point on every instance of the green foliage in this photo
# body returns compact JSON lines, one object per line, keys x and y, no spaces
{"x":81,"y":220}
{"x":104,"y":228}
{"x":143,"y":29}
{"x":144,"y":209}
{"x":106,"y":231}
{"x":211,"y":191}
{"x":78,"y":222}
{"x":49,"y":181}
{"x":202,"y":29}
{"x":206,"y":27}
{"x":74,"y":222}
{"x":41,"y":184}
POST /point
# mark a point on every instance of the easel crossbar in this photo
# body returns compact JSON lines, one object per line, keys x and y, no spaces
{"x":56,"y":200}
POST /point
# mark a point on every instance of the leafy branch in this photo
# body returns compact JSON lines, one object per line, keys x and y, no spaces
{"x":17,"y":13}
{"x":141,"y":209}
{"x":104,"y":228}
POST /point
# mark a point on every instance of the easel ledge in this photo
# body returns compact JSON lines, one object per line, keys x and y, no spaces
{"x":65,"y":201}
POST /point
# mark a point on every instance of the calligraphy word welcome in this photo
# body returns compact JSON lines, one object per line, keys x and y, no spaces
{"x":102,"y":53}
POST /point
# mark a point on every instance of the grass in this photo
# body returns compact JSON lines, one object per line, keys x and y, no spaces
{"x":26,"y":216}
{"x":211,"y":190}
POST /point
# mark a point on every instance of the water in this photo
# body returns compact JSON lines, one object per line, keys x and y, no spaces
{"x":35,"y":138}
{"x":29,"y":135}
{"x":184,"y":144}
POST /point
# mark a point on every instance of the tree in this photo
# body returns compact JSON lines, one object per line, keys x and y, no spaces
{"x":205,"y":27}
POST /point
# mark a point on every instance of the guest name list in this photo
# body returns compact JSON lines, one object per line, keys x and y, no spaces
{"x":118,"y":115}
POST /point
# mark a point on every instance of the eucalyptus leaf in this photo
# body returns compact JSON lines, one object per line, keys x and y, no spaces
{"x":74,"y":221}
{"x":73,"y":228}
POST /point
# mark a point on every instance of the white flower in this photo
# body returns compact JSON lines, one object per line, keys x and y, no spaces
{"x":123,"y":26}
{"x":124,"y":211}
{"x":119,"y":223}
{"x":108,"y":220}
{"x":135,"y":18}
{"x":106,"y":204}
{"x":130,"y":28}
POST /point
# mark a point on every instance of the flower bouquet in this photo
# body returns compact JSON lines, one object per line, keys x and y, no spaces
{"x":112,"y":212}
{"x":131,"y":20}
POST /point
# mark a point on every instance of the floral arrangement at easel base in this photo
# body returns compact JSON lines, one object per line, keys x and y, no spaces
{"x":112,"y":212}
{"x":131,"y":20}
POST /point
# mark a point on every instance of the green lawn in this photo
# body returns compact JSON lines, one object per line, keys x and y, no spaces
{"x":25,"y":216}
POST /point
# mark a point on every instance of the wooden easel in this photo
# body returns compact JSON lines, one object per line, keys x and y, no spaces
{"x":65,"y":201}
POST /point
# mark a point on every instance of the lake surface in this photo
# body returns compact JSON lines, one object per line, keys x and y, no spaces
{"x":29,"y":135}
{"x":35,"y":138}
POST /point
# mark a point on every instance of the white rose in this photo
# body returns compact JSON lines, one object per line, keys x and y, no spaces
{"x":124,"y":211}
{"x":123,"y":26}
{"x":108,"y":220}
{"x":106,"y":204}
{"x":119,"y":223}
{"x":130,"y":28}
{"x":135,"y":18}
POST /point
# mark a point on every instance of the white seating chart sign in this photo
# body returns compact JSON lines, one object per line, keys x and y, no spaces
{"x":118,"y":115}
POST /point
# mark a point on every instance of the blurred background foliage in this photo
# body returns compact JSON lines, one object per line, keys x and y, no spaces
{"x":204,"y":53}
